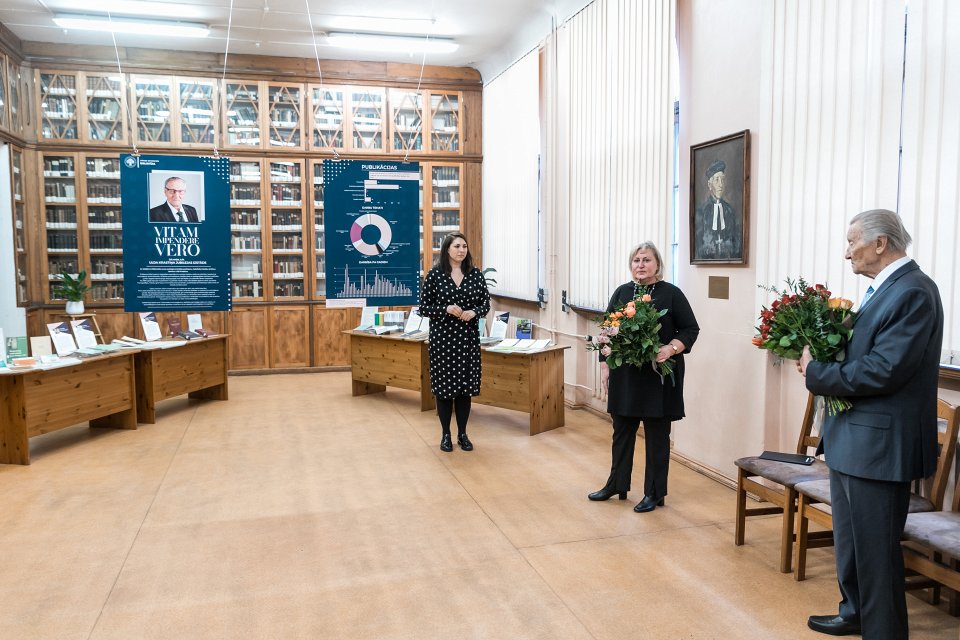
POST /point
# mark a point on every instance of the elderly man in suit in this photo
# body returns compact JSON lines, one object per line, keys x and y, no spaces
{"x":173,"y":210}
{"x":889,"y":437}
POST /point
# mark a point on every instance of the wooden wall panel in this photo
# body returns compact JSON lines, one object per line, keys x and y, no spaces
{"x":290,"y":332}
{"x":330,"y":346}
{"x":116,"y":323}
{"x":472,"y":123}
{"x":472,"y":192}
{"x":248,"y":342}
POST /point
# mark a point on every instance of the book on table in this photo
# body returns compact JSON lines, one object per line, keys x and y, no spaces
{"x":174,"y":326}
{"x":62,"y":338}
{"x":498,"y":328}
{"x":83,"y":333}
{"x":151,"y":328}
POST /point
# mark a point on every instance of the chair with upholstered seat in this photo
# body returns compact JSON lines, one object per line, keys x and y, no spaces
{"x":774,"y":483}
{"x":814,"y":496}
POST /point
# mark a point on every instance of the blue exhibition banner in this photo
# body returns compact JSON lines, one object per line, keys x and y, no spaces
{"x":176,"y":233}
{"x":372,"y":224}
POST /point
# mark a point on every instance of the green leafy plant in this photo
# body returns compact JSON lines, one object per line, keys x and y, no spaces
{"x":491,"y":281}
{"x":73,"y":288}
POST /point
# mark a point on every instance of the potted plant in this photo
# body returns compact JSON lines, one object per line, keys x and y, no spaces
{"x":491,"y":282}
{"x":73,"y":290}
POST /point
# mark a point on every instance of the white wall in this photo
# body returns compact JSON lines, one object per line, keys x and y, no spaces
{"x":13,"y":320}
{"x":732,"y":390}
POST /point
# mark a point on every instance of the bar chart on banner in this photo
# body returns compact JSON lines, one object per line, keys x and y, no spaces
{"x":377,"y":283}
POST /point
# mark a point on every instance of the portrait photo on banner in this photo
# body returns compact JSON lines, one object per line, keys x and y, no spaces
{"x":176,"y":197}
{"x":720,"y":200}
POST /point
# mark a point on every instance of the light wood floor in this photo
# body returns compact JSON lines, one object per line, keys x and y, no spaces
{"x":296,"y":511}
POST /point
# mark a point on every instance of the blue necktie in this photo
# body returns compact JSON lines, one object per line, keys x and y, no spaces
{"x":866,"y":297}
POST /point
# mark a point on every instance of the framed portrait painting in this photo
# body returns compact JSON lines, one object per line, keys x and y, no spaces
{"x":720,"y":200}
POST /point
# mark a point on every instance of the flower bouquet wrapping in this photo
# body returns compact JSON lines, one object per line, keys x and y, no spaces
{"x":631,"y":335}
{"x":804,"y":315}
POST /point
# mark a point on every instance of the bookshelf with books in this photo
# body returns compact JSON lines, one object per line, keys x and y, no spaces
{"x":198,"y":113}
{"x":444,"y":122}
{"x":327,"y":117}
{"x":62,"y":237}
{"x":4,"y":109}
{"x":104,"y":226}
{"x":285,"y":116}
{"x":59,"y":113}
{"x":406,"y":120}
{"x":105,"y":107}
{"x":367,"y":119}
{"x":246,"y":230}
{"x":319,"y":253}
{"x":153,"y":108}
{"x":288,"y":234}
{"x":444,"y":206}
{"x":242,"y":120}
{"x":13,"y":101}
{"x":20,"y":244}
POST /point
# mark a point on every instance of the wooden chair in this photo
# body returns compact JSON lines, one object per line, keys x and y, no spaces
{"x":931,"y":542}
{"x":814,"y":496}
{"x":780,"y":479}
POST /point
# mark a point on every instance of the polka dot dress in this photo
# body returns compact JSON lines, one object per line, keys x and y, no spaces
{"x":454,"y":346}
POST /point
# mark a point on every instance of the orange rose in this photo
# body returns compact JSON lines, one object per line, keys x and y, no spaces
{"x":630,"y":312}
{"x":614,"y":323}
{"x":846,"y":304}
{"x":833,"y":303}
{"x":758,"y":341}
{"x":646,"y":298}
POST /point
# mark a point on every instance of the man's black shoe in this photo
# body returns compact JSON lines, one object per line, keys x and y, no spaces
{"x":834,"y":625}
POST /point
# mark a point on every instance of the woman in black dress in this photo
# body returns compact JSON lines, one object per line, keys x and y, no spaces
{"x":454,"y":296}
{"x":636,"y":394}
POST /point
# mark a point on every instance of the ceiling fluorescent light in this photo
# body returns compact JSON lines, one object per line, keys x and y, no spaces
{"x":130,"y":25}
{"x":395,"y":44}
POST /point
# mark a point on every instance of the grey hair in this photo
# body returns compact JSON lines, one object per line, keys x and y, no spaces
{"x":883,"y":222}
{"x":652,"y":248}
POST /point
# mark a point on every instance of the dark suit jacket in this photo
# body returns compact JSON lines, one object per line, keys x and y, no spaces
{"x":162,"y":213}
{"x":890,"y":375}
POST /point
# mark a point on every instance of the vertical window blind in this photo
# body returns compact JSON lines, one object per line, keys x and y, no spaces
{"x":615,"y":64}
{"x":511,"y":148}
{"x":831,"y":91}
{"x":930,"y":171}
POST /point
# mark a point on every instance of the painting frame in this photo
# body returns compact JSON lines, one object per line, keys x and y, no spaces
{"x":720,"y":200}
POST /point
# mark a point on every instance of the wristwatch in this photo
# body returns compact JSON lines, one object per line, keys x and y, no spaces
{"x":674,"y":347}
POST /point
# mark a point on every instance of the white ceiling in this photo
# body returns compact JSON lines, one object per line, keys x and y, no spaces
{"x":491,"y":33}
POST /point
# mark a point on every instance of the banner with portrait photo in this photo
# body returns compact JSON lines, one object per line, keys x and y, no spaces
{"x":372,"y":231}
{"x":176,"y":233}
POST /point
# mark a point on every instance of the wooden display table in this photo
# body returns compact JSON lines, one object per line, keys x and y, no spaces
{"x":197,"y":368}
{"x":100,"y":390}
{"x":528,"y":382}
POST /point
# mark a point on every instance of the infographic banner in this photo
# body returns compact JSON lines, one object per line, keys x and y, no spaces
{"x":176,"y":233}
{"x":372,"y":231}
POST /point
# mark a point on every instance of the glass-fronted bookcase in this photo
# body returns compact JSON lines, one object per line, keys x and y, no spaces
{"x":20,"y":244}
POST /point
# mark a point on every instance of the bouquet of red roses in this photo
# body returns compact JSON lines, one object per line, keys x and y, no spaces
{"x":631,"y":335}
{"x":804,"y":315}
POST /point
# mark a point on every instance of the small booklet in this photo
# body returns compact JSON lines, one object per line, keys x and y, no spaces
{"x":507,"y":344}
{"x":367,"y":318}
{"x":194,"y":322}
{"x":413,"y":321}
{"x":40,"y":346}
{"x":83,"y":333}
{"x":524,"y":328}
{"x":382,"y":329}
{"x":792,"y":458}
{"x":498,"y":328}
{"x":62,"y":338}
{"x":151,"y":328}
{"x":174,"y":326}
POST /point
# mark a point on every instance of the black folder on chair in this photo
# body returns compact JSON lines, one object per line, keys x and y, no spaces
{"x":792,"y":458}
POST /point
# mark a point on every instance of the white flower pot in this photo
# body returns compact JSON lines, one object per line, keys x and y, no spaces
{"x":75,"y":308}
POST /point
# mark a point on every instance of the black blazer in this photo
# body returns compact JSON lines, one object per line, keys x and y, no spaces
{"x":890,"y":375}
{"x":162,"y":213}
{"x":638,"y":391}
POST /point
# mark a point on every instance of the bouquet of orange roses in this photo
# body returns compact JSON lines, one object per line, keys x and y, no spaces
{"x":631,"y":335}
{"x":804,"y":315}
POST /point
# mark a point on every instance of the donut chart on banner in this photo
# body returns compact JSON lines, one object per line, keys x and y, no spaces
{"x":356,"y":234}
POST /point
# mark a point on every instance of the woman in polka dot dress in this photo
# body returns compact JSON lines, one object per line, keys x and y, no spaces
{"x":454,"y":296}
